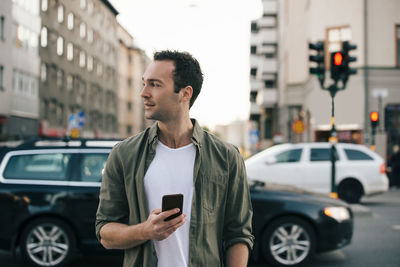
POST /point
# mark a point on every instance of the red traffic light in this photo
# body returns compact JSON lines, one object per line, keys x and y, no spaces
{"x":338,"y":59}
{"x":374,"y":116}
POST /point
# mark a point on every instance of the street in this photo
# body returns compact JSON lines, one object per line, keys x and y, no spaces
{"x":376,"y":240}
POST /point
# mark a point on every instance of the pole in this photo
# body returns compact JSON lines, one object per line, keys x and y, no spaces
{"x":333,"y":140}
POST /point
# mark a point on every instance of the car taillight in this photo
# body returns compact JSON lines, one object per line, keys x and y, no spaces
{"x":382,"y":169}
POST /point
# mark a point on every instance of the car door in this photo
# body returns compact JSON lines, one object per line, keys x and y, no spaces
{"x":318,"y":168}
{"x":285,"y":168}
{"x":84,"y":193}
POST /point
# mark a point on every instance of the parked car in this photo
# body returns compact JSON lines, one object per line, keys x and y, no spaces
{"x":359,"y":171}
{"x":49,"y":196}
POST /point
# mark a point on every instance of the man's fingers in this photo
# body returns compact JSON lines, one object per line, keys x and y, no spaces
{"x":167,"y":213}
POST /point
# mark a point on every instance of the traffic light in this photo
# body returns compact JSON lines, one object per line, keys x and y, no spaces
{"x":346,"y":48}
{"x":374,"y":117}
{"x":337,"y":66}
{"x":319,"y":58}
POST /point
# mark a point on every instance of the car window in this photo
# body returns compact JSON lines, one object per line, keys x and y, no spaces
{"x":321,"y":154}
{"x":353,"y":154}
{"x":292,"y":155}
{"x":92,"y":167}
{"x":51,"y":166}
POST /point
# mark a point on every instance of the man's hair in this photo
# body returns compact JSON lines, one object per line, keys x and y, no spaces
{"x":187,"y":71}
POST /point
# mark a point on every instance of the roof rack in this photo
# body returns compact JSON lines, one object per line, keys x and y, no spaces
{"x":68,"y":142}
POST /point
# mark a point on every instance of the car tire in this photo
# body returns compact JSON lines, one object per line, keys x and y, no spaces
{"x":47,"y":242}
{"x":351,"y":191}
{"x":288,"y":241}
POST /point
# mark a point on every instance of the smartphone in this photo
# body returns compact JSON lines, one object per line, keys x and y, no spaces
{"x":170,"y":202}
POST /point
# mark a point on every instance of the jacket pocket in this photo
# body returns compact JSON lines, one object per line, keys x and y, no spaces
{"x":214,"y":191}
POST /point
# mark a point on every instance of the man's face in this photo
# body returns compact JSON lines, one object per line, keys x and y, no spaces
{"x":160,"y":101}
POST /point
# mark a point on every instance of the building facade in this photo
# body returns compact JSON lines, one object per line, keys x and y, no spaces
{"x":374,"y":26}
{"x":78,"y":69}
{"x":19,"y":69}
{"x":264,"y":72}
{"x":132,"y":62}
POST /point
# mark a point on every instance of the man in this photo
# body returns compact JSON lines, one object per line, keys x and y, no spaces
{"x":175,"y":156}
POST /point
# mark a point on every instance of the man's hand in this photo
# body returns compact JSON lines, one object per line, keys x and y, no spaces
{"x":156,"y":228}
{"x":122,"y":236}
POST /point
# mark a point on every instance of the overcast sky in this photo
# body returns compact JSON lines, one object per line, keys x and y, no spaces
{"x":216,"y":32}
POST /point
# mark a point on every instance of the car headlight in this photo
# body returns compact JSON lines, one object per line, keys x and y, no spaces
{"x":338,"y":213}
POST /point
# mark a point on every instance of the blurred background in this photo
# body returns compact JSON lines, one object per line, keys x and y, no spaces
{"x":74,"y":67}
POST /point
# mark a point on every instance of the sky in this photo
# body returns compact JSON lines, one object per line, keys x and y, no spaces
{"x":216,"y":32}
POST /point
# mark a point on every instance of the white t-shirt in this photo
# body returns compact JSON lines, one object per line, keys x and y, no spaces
{"x":171,"y":172}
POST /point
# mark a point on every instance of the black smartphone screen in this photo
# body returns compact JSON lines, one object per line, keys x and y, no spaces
{"x":170,"y":202}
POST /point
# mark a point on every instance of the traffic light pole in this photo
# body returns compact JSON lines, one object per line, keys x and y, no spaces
{"x":333,"y":140}
{"x":339,"y":72}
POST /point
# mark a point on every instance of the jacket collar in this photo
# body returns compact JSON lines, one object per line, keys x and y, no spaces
{"x":197,"y":136}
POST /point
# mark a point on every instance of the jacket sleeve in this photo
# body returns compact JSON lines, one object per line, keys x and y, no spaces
{"x":113,"y":205}
{"x":239,"y":211}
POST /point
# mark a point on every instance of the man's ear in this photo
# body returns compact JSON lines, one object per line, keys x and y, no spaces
{"x":186,"y":93}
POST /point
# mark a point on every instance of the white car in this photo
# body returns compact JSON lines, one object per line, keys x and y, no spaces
{"x":359,"y":171}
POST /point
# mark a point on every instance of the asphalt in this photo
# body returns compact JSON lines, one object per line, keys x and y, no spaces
{"x":360,"y":210}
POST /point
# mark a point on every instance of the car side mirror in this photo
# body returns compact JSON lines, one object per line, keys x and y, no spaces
{"x":270,"y":160}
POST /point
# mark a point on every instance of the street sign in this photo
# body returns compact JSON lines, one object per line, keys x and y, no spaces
{"x":298,"y":126}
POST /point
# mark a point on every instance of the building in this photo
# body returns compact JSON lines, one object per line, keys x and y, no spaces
{"x":19,"y":69}
{"x":374,"y":26}
{"x":132,"y":62}
{"x":78,"y":69}
{"x":264,"y":72}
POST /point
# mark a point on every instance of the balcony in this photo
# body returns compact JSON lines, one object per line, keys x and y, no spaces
{"x":267,"y":97}
{"x":267,"y":22}
{"x":269,"y":66}
{"x":256,"y":85}
{"x":268,"y":36}
{"x":254,"y":109}
{"x":270,"y":7}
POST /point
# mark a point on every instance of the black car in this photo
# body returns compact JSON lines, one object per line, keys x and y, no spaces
{"x":49,"y":196}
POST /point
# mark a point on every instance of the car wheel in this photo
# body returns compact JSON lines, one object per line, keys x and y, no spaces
{"x":350,"y":191}
{"x":288,"y":241}
{"x":47,"y":242}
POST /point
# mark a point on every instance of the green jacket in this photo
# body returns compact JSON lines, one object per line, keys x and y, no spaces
{"x":221,"y":209}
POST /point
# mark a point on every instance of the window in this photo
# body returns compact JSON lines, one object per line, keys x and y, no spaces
{"x":60,"y":14}
{"x":2,"y":28}
{"x":292,"y":155}
{"x":353,"y":154}
{"x":253,"y":72}
{"x":43,"y":72}
{"x":70,"y":52}
{"x":321,"y":154}
{"x":334,"y":41}
{"x":99,"y":69}
{"x":92,"y":167}
{"x":82,"y":59}
{"x":70,"y":21}
{"x":45,"y":5}
{"x":82,"y":30}
{"x":129,"y":105}
{"x":60,"y":46}
{"x":129,"y":129}
{"x":90,"y":7}
{"x":69,"y":82}
{"x":253,"y":50}
{"x":1,"y":78}
{"x":49,"y":166}
{"x":60,"y":78}
{"x":90,"y":63}
{"x":43,"y":37}
{"x":398,"y":45}
{"x":90,"y":36}
{"x":83,"y":4}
